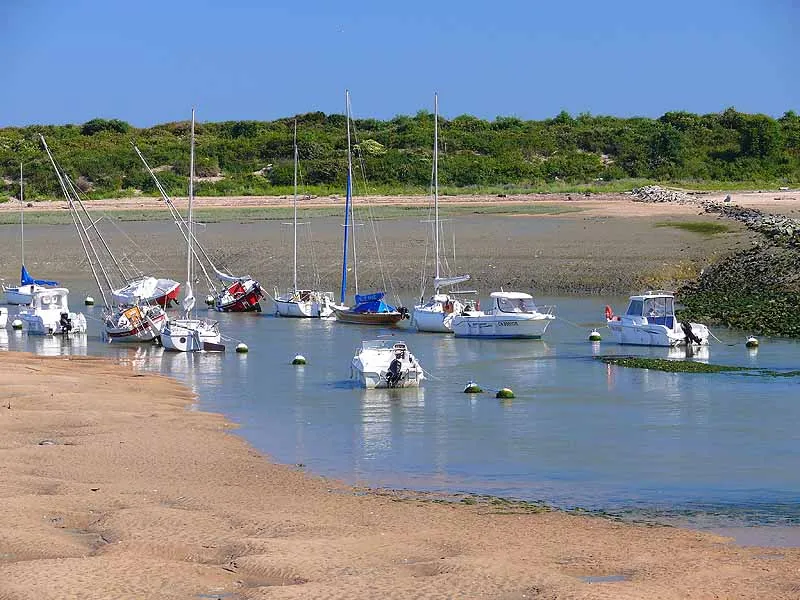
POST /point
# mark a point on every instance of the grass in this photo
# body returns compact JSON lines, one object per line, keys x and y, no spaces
{"x":275,"y":213}
{"x":706,"y":228}
{"x":687,"y":366}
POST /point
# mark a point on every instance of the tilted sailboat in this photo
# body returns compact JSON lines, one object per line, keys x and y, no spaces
{"x":28,"y":286}
{"x":369,"y":309}
{"x":297,"y":302}
{"x":134,"y":321}
{"x":231,"y":293}
{"x":191,"y":334}
{"x":437,"y":313}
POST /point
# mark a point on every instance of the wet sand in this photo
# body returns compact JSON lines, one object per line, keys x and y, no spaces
{"x":112,"y":488}
{"x":609,"y":245}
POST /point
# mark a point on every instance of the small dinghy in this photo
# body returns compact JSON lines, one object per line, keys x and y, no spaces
{"x":386,"y":364}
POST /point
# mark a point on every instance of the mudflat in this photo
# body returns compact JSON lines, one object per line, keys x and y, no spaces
{"x":548,"y":243}
{"x":111,"y":487}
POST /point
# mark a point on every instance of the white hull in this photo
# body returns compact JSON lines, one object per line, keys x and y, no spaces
{"x":3,"y":317}
{"x":373,"y":366}
{"x":434,"y":321}
{"x":510,"y":326}
{"x":40,"y":324}
{"x":637,"y":332}
{"x":21,"y":295}
{"x":131,"y":326}
{"x":309,"y":309}
{"x":189,"y":335}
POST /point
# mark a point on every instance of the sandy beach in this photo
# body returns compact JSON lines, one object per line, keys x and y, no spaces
{"x":114,"y":488}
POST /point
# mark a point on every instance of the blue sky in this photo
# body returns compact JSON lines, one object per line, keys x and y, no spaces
{"x":148,"y":61}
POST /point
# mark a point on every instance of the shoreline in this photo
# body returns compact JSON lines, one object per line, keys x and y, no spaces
{"x":112,"y":485}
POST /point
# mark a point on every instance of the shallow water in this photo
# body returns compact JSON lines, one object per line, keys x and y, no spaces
{"x":713,"y":450}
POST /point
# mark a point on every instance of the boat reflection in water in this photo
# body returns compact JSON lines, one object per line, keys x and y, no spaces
{"x":57,"y":345}
{"x":387,"y":414}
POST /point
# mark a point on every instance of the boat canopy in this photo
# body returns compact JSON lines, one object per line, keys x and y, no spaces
{"x":222,"y":276}
{"x":372,"y":303}
{"x":512,"y":295}
{"x":26,"y":279}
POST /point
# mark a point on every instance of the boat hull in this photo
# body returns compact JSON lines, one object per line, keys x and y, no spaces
{"x":380,"y":367}
{"x":642,"y":334}
{"x":40,"y":324}
{"x":20,"y":296}
{"x":3,"y":317}
{"x":500,"y":327}
{"x":433,"y":321}
{"x":302,"y":309}
{"x":347,"y":316}
{"x":239,"y":298}
{"x":136,"y":328}
{"x":191,"y":335}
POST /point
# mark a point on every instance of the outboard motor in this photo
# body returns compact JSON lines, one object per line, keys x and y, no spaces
{"x":65,"y":323}
{"x":403,"y":311}
{"x":690,"y":336}
{"x":394,"y":373}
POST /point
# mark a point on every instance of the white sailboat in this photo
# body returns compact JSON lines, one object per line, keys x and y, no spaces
{"x":191,"y":334}
{"x":23,"y":293}
{"x":298,"y":302}
{"x":436,"y":315}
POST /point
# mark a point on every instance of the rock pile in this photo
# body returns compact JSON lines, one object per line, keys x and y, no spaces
{"x":780,"y":229}
{"x":655,"y":193}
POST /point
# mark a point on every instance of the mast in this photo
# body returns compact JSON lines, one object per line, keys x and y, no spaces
{"x":347,"y":202}
{"x":436,"y":179}
{"x":295,"y":205}
{"x":21,"y":215}
{"x":189,"y":299}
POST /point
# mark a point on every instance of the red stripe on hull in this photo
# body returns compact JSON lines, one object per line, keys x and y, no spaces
{"x":247,"y":303}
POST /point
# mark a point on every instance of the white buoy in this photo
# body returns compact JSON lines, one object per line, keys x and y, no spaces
{"x":242,"y":348}
{"x":299,"y":360}
{"x":88,"y":301}
{"x":210,"y":300}
{"x":16,"y":324}
{"x":594,"y":336}
{"x":752,"y":342}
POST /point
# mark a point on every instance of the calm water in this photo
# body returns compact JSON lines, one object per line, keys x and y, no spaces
{"x":719,"y":449}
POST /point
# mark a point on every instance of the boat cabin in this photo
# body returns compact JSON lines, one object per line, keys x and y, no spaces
{"x":55,"y":299}
{"x":658,"y":307}
{"x":514,"y":302}
{"x":384,"y":345}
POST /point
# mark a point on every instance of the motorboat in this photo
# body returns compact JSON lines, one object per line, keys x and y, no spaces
{"x":192,"y":335}
{"x":513,"y":315}
{"x":49,"y":314}
{"x":436,"y":314}
{"x":370,"y":309}
{"x":138,"y":323}
{"x":148,"y":290}
{"x":386,"y":364}
{"x":304,"y":303}
{"x":650,"y":321}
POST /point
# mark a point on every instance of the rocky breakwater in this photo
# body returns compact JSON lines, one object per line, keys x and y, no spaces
{"x":757,"y":289}
{"x":655,"y":193}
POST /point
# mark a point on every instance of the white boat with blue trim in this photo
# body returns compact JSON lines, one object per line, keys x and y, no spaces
{"x":513,"y":315}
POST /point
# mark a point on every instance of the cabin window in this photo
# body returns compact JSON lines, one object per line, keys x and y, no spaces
{"x":516,"y":305}
{"x":635,"y":308}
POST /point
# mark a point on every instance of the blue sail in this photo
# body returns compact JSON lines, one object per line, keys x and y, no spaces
{"x":26,"y":279}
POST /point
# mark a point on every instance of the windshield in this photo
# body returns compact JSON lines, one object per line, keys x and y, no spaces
{"x":516,"y":305}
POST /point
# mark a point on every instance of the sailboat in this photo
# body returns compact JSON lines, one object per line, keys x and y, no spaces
{"x":437,"y":313}
{"x":230,"y":293}
{"x":28,"y":286}
{"x":191,"y":334}
{"x":297,"y":302}
{"x":123,"y":322}
{"x":369,"y":309}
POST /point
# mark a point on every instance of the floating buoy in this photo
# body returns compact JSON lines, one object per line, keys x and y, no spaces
{"x":751,"y":342}
{"x":88,"y":301}
{"x":504,"y":393}
{"x":594,"y":336}
{"x":210,"y":300}
{"x":299,"y":360}
{"x":16,"y":324}
{"x":473,"y":388}
{"x":242,"y":348}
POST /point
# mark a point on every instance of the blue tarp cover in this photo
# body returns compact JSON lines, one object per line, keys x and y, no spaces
{"x":372,"y":303}
{"x":26,"y":279}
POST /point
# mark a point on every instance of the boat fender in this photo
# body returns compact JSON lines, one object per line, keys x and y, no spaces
{"x":477,"y":304}
{"x":448,"y":307}
{"x":609,"y":313}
